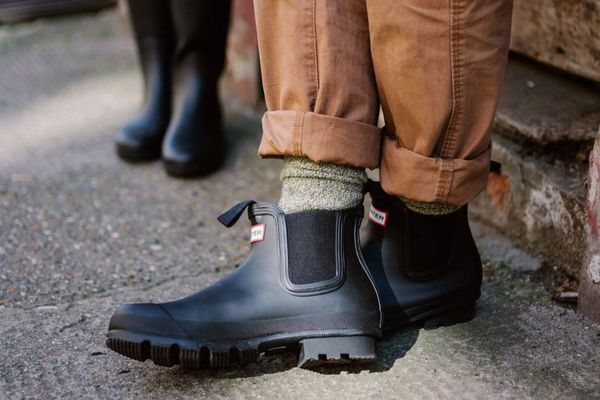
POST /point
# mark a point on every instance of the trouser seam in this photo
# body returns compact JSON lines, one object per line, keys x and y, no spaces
{"x":298,"y":127}
{"x":297,"y":131}
{"x":315,"y":50}
{"x":445,"y":180}
{"x":456,"y":116}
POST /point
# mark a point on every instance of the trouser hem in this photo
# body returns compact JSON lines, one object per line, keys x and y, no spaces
{"x":321,"y":138}
{"x":429,"y":179}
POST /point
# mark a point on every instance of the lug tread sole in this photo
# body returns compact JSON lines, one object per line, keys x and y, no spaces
{"x":335,"y":351}
{"x":451,"y":316}
{"x":169,"y":356}
{"x":314,"y":352}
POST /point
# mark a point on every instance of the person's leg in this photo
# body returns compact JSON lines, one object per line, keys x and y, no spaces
{"x":439,"y":66}
{"x":141,"y":138}
{"x":321,"y":99}
{"x":304,"y":284}
{"x":195,"y":141}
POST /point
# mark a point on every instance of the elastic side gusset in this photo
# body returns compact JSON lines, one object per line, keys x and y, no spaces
{"x":313,"y":230}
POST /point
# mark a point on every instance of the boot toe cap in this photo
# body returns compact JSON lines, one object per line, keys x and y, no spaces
{"x":192,"y":165}
{"x":145,"y":318}
{"x":132,"y":145}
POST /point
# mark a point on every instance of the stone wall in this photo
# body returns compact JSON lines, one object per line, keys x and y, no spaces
{"x":545,"y":127}
{"x":562,"y":33}
{"x":589,"y":290}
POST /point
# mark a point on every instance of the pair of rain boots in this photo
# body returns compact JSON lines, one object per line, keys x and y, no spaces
{"x":181,"y":47}
{"x":309,"y":286}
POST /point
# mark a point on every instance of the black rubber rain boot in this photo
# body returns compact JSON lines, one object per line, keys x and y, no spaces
{"x":141,"y":139}
{"x":195,"y":142}
{"x":304,"y":286}
{"x":426,"y":268}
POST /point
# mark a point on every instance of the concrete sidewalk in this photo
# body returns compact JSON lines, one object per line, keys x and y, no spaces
{"x":81,"y":232}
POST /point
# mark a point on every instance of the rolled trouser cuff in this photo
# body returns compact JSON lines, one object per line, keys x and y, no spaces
{"x":321,"y":138}
{"x":414,"y":176}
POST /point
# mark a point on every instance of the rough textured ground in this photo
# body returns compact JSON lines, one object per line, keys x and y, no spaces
{"x":81,"y":232}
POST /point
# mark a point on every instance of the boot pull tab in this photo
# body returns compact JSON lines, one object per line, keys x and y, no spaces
{"x":495,"y":166}
{"x":374,"y":188}
{"x":370,"y":186}
{"x":230,"y":217}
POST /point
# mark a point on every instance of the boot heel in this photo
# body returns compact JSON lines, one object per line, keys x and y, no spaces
{"x":451,"y":316}
{"x":336,"y":350}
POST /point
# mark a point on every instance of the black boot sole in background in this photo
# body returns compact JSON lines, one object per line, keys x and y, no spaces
{"x":136,"y":155}
{"x":191,"y":170}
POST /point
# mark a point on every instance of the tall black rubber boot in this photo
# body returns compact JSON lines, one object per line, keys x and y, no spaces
{"x":426,"y":268}
{"x":304,"y":286}
{"x":141,"y":139}
{"x":195,"y":142}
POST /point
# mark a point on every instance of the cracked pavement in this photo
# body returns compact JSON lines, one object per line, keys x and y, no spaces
{"x":81,"y":232}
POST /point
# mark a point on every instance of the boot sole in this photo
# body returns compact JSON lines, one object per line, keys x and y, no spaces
{"x":438,"y":317}
{"x":136,"y":156}
{"x":450,"y":315}
{"x":191,"y":170}
{"x":314,"y":351}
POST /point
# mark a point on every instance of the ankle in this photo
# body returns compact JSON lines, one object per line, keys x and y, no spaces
{"x":429,"y":208}
{"x":308,"y":185}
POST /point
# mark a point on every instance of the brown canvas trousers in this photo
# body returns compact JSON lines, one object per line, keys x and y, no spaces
{"x":434,"y":66}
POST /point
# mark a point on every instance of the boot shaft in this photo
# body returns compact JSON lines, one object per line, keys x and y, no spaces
{"x":423,"y":247}
{"x":154,"y":37}
{"x":312,"y":254}
{"x":426,"y":268}
{"x":151,"y":19}
{"x":201,"y":29}
{"x":167,"y":28}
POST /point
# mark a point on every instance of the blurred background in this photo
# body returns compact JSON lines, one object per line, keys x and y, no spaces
{"x":81,"y":231}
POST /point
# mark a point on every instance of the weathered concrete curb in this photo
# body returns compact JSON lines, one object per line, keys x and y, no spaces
{"x":539,"y":206}
{"x":589,"y":288}
{"x":543,"y":107}
{"x":544,"y":130}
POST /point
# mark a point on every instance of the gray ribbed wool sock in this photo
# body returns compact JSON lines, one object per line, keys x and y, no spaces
{"x":308,"y":185}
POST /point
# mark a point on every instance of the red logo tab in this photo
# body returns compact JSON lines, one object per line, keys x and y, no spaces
{"x":257,"y":233}
{"x":378,"y":216}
